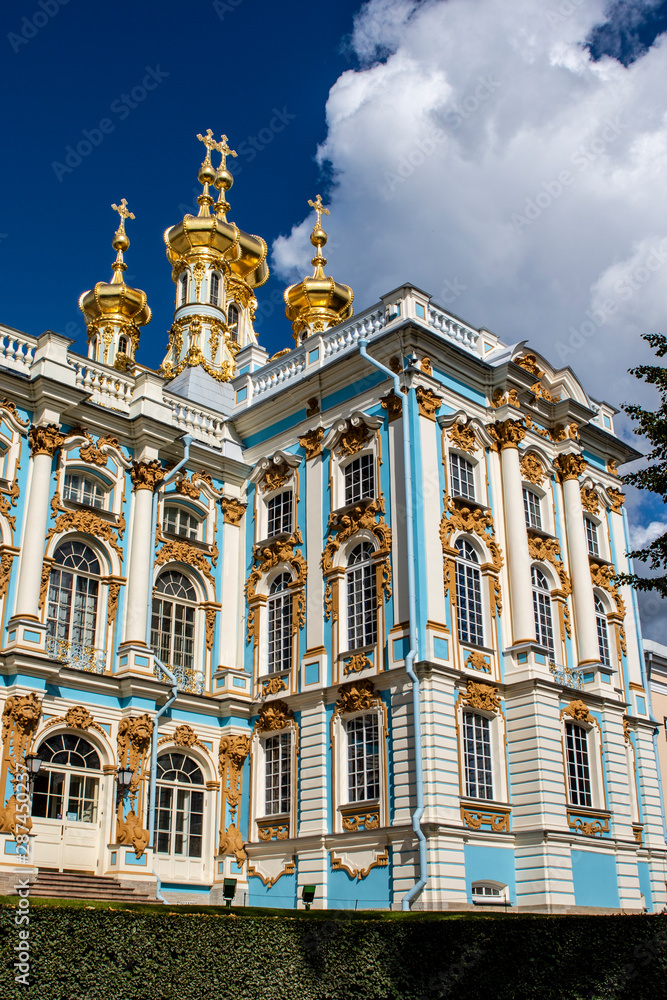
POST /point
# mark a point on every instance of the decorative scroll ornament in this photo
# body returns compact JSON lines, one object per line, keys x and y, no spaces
{"x":355,"y":664}
{"x":112,"y":606}
{"x":463,"y":437}
{"x":266,"y":833}
{"x":267,"y":557}
{"x":273,"y":685}
{"x":471,"y":520}
{"x":590,"y":500}
{"x":475,"y":819}
{"x":232,"y":753}
{"x":312,"y":442}
{"x":184,"y":552}
{"x":356,"y":696}
{"x":603,"y":576}
{"x":569,"y":467}
{"x":428,"y":402}
{"x":353,"y":439}
{"x":276,"y":475}
{"x":532,"y":469}
{"x":627,"y":730}
{"x":507,"y":433}
{"x":478,"y":661}
{"x":193,"y":325}
{"x":589,"y":827}
{"x":354,"y":822}
{"x":89,"y":523}
{"x":97,"y":453}
{"x":344,"y":526}
{"x":146,"y":475}
{"x":20,"y":719}
{"x":5,"y":511}
{"x":548,"y":550}
{"x":134,"y":740}
{"x":393,"y":405}
{"x":211,"y":612}
{"x":617,"y":500}
{"x":233,"y":510}
{"x":6,"y":561}
{"x":273,"y":715}
{"x":79,"y":717}
{"x":45,"y":440}
{"x":482,"y":696}
{"x":500,"y":399}
{"x":11,"y":408}
{"x":578,"y":710}
{"x":338,"y":864}
{"x":185,"y":736}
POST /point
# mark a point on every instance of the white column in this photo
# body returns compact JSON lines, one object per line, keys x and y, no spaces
{"x":570,"y":467}
{"x":44,"y":443}
{"x":145,"y":478}
{"x":508,"y":434}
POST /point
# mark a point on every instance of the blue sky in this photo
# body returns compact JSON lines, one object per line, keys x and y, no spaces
{"x":507,"y":156}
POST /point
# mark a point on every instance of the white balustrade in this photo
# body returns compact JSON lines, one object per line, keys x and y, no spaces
{"x":287,"y":369}
{"x":204,"y":425}
{"x":17,"y":350}
{"x":452,"y":328}
{"x":106,"y":387}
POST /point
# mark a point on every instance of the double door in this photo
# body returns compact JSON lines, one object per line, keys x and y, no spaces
{"x":68,"y":820}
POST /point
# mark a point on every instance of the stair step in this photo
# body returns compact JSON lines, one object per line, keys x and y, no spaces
{"x":84,"y":886}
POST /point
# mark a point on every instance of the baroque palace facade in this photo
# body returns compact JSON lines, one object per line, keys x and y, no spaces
{"x":347,"y":614}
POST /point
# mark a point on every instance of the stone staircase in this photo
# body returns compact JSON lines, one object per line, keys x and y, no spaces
{"x":64,"y":885}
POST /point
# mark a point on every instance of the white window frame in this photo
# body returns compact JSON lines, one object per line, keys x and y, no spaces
{"x":342,"y":802}
{"x":101,"y":598}
{"x":365,"y":564}
{"x":284,"y":597}
{"x":499,"y":895}
{"x":271,"y":499}
{"x":594,"y":748}
{"x":460,"y":561}
{"x":86,"y":477}
{"x":214,"y":281}
{"x":530,"y":494}
{"x":601,"y":617}
{"x":592,"y":529}
{"x":284,"y":742}
{"x":199,"y":663}
{"x":364,"y":457}
{"x":538,"y":593}
{"x":183,"y":288}
{"x":182,"y":509}
{"x":258,"y":781}
{"x":355,"y":720}
{"x":338,"y":467}
{"x":474,"y":466}
{"x":498,"y":756}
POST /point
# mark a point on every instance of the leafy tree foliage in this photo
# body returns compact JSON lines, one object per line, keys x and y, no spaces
{"x":651,"y":424}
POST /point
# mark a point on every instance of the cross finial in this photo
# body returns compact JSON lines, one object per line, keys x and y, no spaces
{"x":124,"y":213}
{"x":319,"y":208}
{"x":209,"y":142}
{"x":225,"y":151}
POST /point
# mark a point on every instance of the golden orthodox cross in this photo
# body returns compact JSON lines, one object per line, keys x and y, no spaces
{"x":124,"y":213}
{"x":320,"y":209}
{"x":224,"y":151}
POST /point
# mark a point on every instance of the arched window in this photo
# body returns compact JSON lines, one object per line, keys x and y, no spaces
{"x":214,"y":292}
{"x":84,"y":489}
{"x":470,"y":616}
{"x":233,"y":322}
{"x":62,"y":791}
{"x":183,"y":289}
{"x":173,"y":621}
{"x":603,"y":634}
{"x":178,"y":521}
{"x":122,"y":345}
{"x":180,"y":806}
{"x":361,"y":598}
{"x":280,"y":624}
{"x":73,"y":594}
{"x":544,"y":629}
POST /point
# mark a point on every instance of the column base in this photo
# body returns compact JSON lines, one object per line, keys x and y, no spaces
{"x":123,"y":863}
{"x":135,"y":658}
{"x":26,"y":632}
{"x":231,"y":681}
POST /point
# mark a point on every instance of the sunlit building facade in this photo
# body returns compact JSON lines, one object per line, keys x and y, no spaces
{"x":205,"y":583}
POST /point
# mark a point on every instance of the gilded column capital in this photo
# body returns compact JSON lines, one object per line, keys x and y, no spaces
{"x":146,"y":475}
{"x":45,"y":440}
{"x":507,"y":433}
{"x":569,"y":466}
{"x":312,"y":442}
{"x":232,"y":509}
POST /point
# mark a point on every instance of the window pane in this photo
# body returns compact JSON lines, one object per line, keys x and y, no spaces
{"x":592,"y":537}
{"x":603,"y":634}
{"x":361,"y":598}
{"x":477,"y":756}
{"x":360,"y":479}
{"x":532,"y":509}
{"x":280,"y":514}
{"x":544,"y":631}
{"x":277,"y":763}
{"x":363,"y":758}
{"x":470,"y":618}
{"x":578,"y":774}
{"x":280,"y":627}
{"x":462,"y":477}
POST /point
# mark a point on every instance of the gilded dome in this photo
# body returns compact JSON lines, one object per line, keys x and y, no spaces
{"x":318,"y":302}
{"x":210,"y":234}
{"x":115,"y":298}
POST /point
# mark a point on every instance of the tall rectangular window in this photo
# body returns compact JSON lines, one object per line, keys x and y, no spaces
{"x":592,"y":537}
{"x":278,"y":774}
{"x":359,"y":479}
{"x":578,"y":771}
{"x":280,"y":514}
{"x":462,"y":477}
{"x":363,"y":758}
{"x":532,"y":509}
{"x":477,"y":756}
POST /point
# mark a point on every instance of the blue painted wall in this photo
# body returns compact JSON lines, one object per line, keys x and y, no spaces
{"x":347,"y":893}
{"x":595,"y":879}
{"x":282,"y":895}
{"x":490,"y":864}
{"x":645,"y":883}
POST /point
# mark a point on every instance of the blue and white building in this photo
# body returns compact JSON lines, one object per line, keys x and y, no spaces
{"x":347,"y":614}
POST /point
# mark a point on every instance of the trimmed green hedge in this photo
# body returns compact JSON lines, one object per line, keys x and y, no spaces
{"x":175,"y":953}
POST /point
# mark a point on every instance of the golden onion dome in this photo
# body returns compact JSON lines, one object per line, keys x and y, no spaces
{"x":115,"y":298}
{"x":211,"y":234}
{"x":318,"y":302}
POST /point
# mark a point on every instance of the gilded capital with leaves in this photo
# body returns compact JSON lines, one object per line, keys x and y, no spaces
{"x":507,"y":433}
{"x":45,"y":440}
{"x":146,"y":475}
{"x":569,"y":466}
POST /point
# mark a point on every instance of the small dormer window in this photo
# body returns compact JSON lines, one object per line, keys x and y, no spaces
{"x":214,"y":293}
{"x":233,"y":323}
{"x":122,"y":345}
{"x":183,"y":289}
{"x":82,"y":489}
{"x":178,"y":521}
